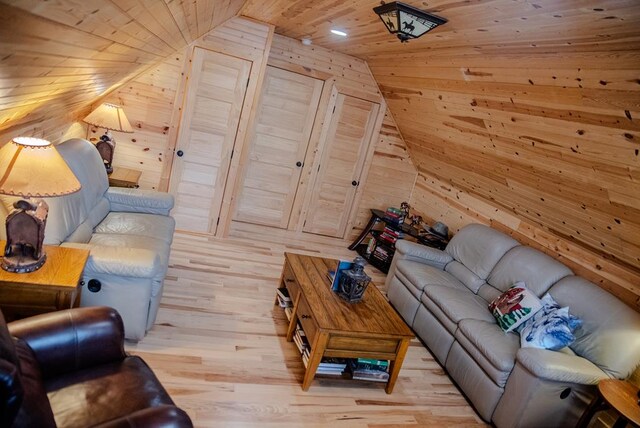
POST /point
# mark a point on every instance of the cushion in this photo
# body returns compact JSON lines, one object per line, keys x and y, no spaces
{"x":609,"y":333}
{"x":487,"y":344}
{"x":98,"y":394}
{"x":150,"y":225}
{"x":420,"y":275}
{"x":514,"y":306}
{"x":528,"y":265}
{"x":479,"y":248}
{"x":552,"y":330}
{"x":451,"y":305}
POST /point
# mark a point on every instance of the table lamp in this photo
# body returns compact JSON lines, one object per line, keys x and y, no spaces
{"x":112,"y":118}
{"x":31,"y":168}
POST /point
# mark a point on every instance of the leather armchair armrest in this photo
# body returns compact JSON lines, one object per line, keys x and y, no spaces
{"x":139,"y":201}
{"x":153,"y":417}
{"x":72,"y":339}
{"x":560,"y":367}
{"x":420,"y":253}
{"x":119,"y":261}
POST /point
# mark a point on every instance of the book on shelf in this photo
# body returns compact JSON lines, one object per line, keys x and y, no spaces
{"x":284,"y":303}
{"x":368,"y":369}
{"x":393,"y":232}
{"x":288,"y":311}
{"x":300,"y":339}
{"x":334,"y":275}
{"x":332,"y":366}
{"x":390,"y":239}
{"x":380,"y":254}
{"x":284,"y":294}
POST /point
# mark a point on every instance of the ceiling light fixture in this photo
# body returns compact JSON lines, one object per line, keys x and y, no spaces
{"x":339,"y":33}
{"x":406,"y":21}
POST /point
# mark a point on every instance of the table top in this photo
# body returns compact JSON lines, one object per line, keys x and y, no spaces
{"x":622,"y":396}
{"x":62,"y":269}
{"x":127,"y":175}
{"x":427,"y":238}
{"x":373,"y":316}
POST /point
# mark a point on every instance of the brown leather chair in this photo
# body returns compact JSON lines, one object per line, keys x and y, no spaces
{"x":69,"y":369}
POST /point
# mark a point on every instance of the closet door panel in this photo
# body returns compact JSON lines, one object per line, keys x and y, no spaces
{"x":278,"y":141}
{"x":215,"y":96}
{"x":343,"y":155}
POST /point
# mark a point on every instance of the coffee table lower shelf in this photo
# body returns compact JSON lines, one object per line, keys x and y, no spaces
{"x":329,"y":345}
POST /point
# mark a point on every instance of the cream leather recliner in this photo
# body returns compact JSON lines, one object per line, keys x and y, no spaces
{"x":128,"y":231}
{"x":444,"y":296}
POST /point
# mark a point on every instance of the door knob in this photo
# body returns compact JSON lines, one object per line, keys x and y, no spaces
{"x":180,"y":153}
{"x":355,"y":183}
{"x":298,"y":164}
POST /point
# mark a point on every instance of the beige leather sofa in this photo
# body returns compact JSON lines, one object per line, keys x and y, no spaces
{"x":128,"y":231}
{"x":444,"y":296}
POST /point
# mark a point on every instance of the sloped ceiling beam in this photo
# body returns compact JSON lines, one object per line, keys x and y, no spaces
{"x":57,"y":58}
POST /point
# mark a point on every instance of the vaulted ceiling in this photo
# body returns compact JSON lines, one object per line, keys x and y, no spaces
{"x":525,"y":109}
{"x":59,"y":56}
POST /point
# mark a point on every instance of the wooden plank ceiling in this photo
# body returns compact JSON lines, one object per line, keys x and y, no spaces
{"x":531,"y":106}
{"x":60,"y":56}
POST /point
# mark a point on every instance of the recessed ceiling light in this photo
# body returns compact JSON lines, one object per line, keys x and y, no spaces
{"x":306,"y":41}
{"x":339,"y":33}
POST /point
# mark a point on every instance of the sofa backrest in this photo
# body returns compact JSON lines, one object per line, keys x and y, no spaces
{"x":73,"y":217}
{"x":610,"y":332}
{"x":476,"y":249}
{"x":537,"y":270}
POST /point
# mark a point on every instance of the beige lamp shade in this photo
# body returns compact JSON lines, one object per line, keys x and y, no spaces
{"x":109,"y":116}
{"x":32,"y":167}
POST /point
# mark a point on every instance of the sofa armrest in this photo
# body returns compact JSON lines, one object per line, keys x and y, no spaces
{"x":128,"y":262}
{"x":560,"y":367}
{"x":73,"y":339}
{"x":139,"y":201}
{"x":154,"y":417}
{"x":421,"y":253}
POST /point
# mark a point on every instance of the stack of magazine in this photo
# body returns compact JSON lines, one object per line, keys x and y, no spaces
{"x":301,"y":341}
{"x":285,"y":301}
{"x":332,"y":366}
{"x":369,"y":369}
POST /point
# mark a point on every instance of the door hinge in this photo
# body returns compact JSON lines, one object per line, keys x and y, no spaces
{"x":218,"y":221}
{"x":232,"y":151}
{"x":248,"y":78}
{"x":318,"y":167}
{"x":334,"y":110}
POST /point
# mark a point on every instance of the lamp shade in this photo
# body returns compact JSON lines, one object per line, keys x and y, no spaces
{"x":109,"y":116}
{"x":32,"y":167}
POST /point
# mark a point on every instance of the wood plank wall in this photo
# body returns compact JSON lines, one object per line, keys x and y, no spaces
{"x":391,"y":177}
{"x":148,"y":101}
{"x":153,"y":100}
{"x":543,"y":144}
{"x":57,"y":58}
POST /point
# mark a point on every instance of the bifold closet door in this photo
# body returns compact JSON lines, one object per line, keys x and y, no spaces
{"x":214,"y":99}
{"x":277,"y":148}
{"x":343,"y":156}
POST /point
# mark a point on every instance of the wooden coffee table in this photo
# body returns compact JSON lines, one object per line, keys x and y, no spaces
{"x":335,"y":328}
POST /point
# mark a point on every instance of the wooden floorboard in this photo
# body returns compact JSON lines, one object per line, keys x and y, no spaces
{"x":219,"y":347}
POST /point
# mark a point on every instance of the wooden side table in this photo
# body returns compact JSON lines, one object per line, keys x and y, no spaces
{"x":124,"y":177}
{"x":55,"y":286}
{"x":619,"y":395}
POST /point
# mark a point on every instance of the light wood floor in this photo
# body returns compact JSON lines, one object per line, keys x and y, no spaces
{"x":219,"y":347}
